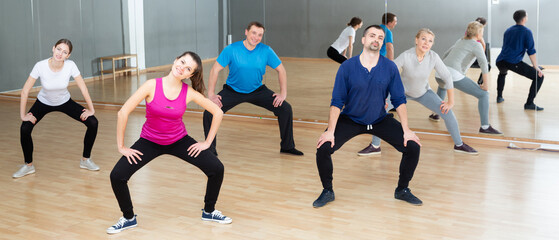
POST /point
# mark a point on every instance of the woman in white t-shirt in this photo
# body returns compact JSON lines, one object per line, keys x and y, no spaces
{"x":55,"y":73}
{"x":343,"y":46}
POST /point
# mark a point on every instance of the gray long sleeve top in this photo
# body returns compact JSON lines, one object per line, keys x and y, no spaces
{"x":415,"y":74}
{"x":462,"y":54}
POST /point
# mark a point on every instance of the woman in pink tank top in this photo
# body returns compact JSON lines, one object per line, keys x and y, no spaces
{"x":164,"y":133}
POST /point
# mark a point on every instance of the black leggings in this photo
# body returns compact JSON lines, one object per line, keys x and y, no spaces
{"x":70,"y":108}
{"x":388,"y":130}
{"x":335,"y":55}
{"x":523,"y":69}
{"x":206,"y":161}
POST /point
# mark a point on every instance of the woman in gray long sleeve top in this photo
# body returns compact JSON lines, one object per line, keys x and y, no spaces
{"x":458,"y":59}
{"x":416,"y":65}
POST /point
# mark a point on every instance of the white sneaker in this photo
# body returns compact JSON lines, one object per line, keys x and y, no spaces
{"x":89,"y":165}
{"x":24,"y":170}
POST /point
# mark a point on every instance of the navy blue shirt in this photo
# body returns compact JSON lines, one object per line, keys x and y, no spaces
{"x":517,"y":40}
{"x":361,"y":94}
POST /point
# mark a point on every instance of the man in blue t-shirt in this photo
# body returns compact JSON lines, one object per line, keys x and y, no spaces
{"x":389,"y":21}
{"x":361,"y":87}
{"x":247,"y":61}
{"x":518,"y":40}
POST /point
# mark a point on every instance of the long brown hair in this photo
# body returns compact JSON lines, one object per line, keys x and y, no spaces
{"x":197,"y":77}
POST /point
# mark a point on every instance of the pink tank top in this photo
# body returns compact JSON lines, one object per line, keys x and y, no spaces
{"x":164,"y":123}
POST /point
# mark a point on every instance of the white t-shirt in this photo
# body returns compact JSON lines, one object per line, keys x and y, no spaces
{"x":54,"y":91}
{"x":343,"y":40}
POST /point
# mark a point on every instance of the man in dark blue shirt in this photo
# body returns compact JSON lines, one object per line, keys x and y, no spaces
{"x":518,"y":40}
{"x":362,"y":85}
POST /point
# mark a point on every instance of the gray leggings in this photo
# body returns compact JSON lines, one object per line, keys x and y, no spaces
{"x":470,"y":87}
{"x":431,"y":101}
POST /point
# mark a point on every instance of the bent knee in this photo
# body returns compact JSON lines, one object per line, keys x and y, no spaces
{"x":91,"y":121}
{"x":284,"y":108}
{"x":325,"y":148}
{"x":26,"y":127}
{"x":413,"y":147}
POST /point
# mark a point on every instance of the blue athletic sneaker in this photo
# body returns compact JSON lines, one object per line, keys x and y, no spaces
{"x":122,"y":224}
{"x":216,"y":216}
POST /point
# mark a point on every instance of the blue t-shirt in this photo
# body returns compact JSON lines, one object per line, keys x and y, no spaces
{"x":361,"y":94}
{"x":387,"y":39}
{"x":246,"y":68}
{"x":517,"y":40}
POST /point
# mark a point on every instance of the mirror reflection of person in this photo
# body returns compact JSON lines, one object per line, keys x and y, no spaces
{"x":481,"y":41}
{"x":164,"y":133}
{"x":416,"y":65}
{"x":342,"y":48}
{"x":459,"y":59}
{"x":517,"y":41}
{"x":247,"y":61}
{"x":55,"y":73}
{"x":389,"y":21}
{"x":361,"y":86}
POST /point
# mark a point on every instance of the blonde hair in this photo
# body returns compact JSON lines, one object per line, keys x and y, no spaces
{"x":426,"y":31}
{"x":473,"y":29}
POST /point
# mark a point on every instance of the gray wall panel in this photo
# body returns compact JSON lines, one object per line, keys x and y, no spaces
{"x":94,"y":27}
{"x":107,"y":36}
{"x":547,"y":51}
{"x":207,"y":28}
{"x":169,"y":30}
{"x":17,"y":43}
{"x":243,"y":12}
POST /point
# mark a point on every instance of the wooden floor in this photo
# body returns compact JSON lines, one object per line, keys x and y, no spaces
{"x":310,"y":83}
{"x":500,"y":194}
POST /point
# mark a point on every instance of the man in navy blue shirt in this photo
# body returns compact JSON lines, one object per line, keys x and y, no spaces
{"x":247,"y":61}
{"x":518,"y":40}
{"x":361,"y":87}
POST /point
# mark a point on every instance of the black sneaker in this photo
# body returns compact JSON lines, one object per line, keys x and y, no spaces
{"x":325,"y":197}
{"x":532,"y":107}
{"x":406,"y":195}
{"x":434,"y":117}
{"x":465,"y":149}
{"x":369,"y":150}
{"x":293,"y":151}
{"x":500,"y":99}
{"x":491,"y":131}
